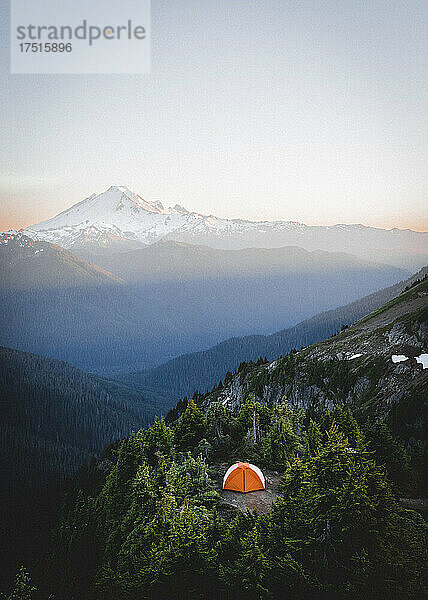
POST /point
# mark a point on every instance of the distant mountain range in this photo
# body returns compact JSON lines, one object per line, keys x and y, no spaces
{"x":119,"y":219}
{"x":165,"y":299}
{"x":116,"y":283}
{"x":168,"y":260}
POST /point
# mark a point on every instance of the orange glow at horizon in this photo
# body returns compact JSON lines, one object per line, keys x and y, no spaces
{"x":14,"y":222}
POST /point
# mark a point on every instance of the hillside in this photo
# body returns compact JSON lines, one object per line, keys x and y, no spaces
{"x":378,"y":367}
{"x":25,"y":263}
{"x":53,"y":417}
{"x":338,"y":430}
{"x":201,"y":370}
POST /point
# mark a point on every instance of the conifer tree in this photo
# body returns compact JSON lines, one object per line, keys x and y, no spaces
{"x":23,"y":589}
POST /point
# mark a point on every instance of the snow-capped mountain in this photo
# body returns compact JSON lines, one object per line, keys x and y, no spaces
{"x":118,"y":214}
{"x":120,"y":220}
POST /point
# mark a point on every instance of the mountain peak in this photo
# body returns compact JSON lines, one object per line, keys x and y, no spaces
{"x":118,"y":188}
{"x":180,"y":209}
{"x":122,"y":191}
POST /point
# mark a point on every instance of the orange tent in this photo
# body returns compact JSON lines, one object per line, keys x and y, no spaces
{"x":243,"y":477}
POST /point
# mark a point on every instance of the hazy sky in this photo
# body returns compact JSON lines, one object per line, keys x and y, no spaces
{"x":314,"y":111}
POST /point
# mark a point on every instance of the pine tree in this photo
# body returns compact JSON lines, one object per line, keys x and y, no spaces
{"x":158,"y":437}
{"x":281,"y":442}
{"x":23,"y":590}
{"x":190,"y":427}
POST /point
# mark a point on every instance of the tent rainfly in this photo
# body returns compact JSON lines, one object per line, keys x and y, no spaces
{"x":243,"y":477}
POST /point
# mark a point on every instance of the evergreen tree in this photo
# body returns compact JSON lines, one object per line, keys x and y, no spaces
{"x":190,"y":427}
{"x":281,"y":442}
{"x":23,"y":589}
{"x":158,"y":437}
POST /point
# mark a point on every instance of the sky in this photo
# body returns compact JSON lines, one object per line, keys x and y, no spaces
{"x":304,"y":110}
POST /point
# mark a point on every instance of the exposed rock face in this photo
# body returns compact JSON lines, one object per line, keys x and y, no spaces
{"x":398,"y":336}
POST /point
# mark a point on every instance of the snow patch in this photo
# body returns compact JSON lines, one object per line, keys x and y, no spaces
{"x":397,"y":358}
{"x":422,"y":359}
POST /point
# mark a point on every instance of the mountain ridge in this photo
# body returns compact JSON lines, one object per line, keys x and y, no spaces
{"x":168,"y":259}
{"x":28,"y":263}
{"x":202,"y":370}
{"x":375,"y":366}
{"x":64,"y":309}
{"x":119,"y":218}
